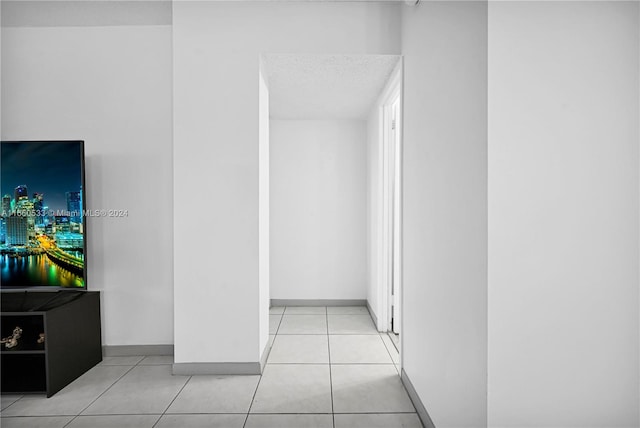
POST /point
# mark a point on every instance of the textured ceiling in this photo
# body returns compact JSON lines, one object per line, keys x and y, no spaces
{"x":325,"y":86}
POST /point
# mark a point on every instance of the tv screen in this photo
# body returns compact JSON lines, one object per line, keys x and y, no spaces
{"x":42,"y":221}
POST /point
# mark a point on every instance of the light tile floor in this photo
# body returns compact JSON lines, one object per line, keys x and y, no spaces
{"x":328,"y":368}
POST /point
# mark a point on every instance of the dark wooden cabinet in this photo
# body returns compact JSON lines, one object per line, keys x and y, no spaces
{"x":70,"y":321}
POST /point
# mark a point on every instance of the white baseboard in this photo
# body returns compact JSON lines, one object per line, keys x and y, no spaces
{"x":373,"y":315}
{"x":189,"y":369}
{"x":265,"y":355}
{"x":318,"y":302}
{"x":130,"y":350}
{"x":249,"y":368}
{"x":417,"y":403}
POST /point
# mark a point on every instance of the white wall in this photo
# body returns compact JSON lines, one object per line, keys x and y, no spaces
{"x":563,"y":204}
{"x":444,"y":332}
{"x":376,"y":268}
{"x":318,"y":209}
{"x":1,"y":71}
{"x":264,"y":203}
{"x":216,"y":59}
{"x":374,"y":201}
{"x":111,"y":86}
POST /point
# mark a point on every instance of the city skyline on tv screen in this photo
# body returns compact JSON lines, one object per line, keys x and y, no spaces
{"x":42,"y":236}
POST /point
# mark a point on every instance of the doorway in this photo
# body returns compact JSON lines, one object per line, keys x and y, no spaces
{"x":333,"y":125}
{"x":390,"y":224}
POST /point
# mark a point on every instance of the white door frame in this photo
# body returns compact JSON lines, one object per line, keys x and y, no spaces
{"x":389,"y":160}
{"x":395,"y":206}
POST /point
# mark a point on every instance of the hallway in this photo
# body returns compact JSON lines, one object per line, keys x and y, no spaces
{"x":328,"y":367}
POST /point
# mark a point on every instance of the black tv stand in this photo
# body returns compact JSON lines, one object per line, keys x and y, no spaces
{"x":70,"y":321}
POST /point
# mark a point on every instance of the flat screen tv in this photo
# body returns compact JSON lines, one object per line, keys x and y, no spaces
{"x":42,"y":221}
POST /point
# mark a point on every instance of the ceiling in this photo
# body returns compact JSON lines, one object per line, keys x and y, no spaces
{"x":325,"y":86}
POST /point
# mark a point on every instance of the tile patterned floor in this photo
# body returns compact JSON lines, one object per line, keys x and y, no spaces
{"x":328,"y":368}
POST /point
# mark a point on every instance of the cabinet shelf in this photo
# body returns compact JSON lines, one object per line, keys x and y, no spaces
{"x":70,"y":321}
{"x":24,"y":352}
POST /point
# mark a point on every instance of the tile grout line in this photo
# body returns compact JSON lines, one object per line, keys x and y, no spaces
{"x":389,"y":352}
{"x":265,"y":367}
{"x":333,"y":415}
{"x":333,"y":334}
{"x":395,"y":345}
{"x":279,"y":324}
{"x":174,"y":399}
{"x":387,"y":348}
{"x":334,"y":364}
{"x":21,"y":397}
{"x":98,"y":397}
{"x":307,"y":414}
{"x":252,"y":400}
